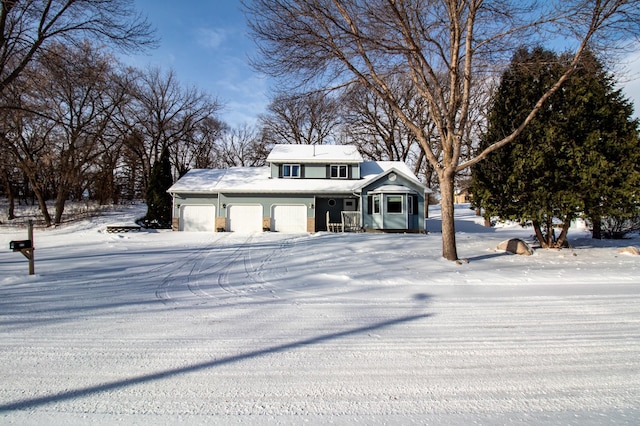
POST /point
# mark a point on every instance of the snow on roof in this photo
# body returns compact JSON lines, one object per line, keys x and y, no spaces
{"x":314,"y":154}
{"x":374,"y":168}
{"x":258,"y":180}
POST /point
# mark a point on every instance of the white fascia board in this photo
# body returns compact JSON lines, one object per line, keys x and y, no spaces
{"x":387,"y":172}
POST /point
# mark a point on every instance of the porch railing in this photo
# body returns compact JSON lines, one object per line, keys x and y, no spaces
{"x":351,"y":221}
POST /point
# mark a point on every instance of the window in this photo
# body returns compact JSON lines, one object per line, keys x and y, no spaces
{"x":291,"y":170}
{"x":339,"y":172}
{"x":394,"y":204}
{"x":376,"y":204}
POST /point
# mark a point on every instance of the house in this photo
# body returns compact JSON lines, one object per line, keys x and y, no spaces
{"x":462,"y":196}
{"x":304,"y":188}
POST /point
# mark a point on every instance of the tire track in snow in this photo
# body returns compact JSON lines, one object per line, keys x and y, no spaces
{"x":220,"y":267}
{"x":257,"y":274}
{"x":197,"y":267}
{"x":163,"y":290}
{"x":250,"y":270}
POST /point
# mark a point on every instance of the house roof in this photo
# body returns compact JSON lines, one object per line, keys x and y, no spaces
{"x":253,"y":180}
{"x":283,"y":153}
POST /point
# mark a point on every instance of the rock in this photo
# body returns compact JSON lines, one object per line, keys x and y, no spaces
{"x":635,"y":251}
{"x":516,"y":246}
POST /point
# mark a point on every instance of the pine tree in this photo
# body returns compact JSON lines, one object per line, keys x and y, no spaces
{"x":578,"y":157}
{"x":158,"y":200}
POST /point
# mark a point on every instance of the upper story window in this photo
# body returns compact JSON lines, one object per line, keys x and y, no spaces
{"x":338,"y":171}
{"x":291,"y":170}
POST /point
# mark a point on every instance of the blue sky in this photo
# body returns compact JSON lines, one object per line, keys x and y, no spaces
{"x":206,"y":43}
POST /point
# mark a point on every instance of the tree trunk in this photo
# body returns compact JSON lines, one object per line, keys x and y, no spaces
{"x":537,"y":227}
{"x":43,"y":206}
{"x":449,"y":250}
{"x":597,"y":228}
{"x":11,"y":213}
{"x":563,"y":235}
{"x":60,"y":202}
{"x":38,"y":194}
{"x":10,"y":195}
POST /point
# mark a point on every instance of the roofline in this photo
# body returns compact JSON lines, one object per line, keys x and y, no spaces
{"x":394,"y":170}
{"x":268,"y":191}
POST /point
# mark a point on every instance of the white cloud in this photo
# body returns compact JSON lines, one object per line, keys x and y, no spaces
{"x":211,"y":38}
{"x":629,"y":79}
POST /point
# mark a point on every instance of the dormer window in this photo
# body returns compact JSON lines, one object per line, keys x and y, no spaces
{"x":291,"y":170}
{"x":338,"y":171}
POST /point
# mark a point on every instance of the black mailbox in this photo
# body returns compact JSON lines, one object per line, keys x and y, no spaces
{"x":20,"y":245}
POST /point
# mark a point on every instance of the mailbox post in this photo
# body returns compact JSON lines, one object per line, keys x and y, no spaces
{"x":25,"y":247}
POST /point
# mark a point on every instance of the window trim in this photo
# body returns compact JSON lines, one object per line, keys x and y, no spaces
{"x":291,"y":167}
{"x":376,"y":205}
{"x":338,"y":168}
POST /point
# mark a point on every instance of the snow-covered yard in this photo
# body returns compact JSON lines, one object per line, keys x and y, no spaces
{"x":164,"y":327}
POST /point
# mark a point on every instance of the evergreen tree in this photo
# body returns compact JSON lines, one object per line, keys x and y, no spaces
{"x":158,"y":200}
{"x":578,"y":157}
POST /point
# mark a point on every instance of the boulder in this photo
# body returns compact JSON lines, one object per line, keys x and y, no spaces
{"x":516,"y":246}
{"x":635,"y":251}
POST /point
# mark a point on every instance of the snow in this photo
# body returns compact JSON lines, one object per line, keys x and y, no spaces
{"x":258,"y":180}
{"x":314,"y":153}
{"x":160,"y":327}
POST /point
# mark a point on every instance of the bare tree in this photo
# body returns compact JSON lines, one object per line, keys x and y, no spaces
{"x":29,"y":26}
{"x":198,"y":148}
{"x":24,"y":136}
{"x":378,"y":132}
{"x":165,"y":115}
{"x":336,"y":42}
{"x":301,"y":118}
{"x":76,"y":94}
{"x":242,"y":146}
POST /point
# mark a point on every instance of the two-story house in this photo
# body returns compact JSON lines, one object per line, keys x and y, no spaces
{"x":304,"y":188}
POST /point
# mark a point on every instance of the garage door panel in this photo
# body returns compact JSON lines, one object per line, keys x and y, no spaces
{"x":291,"y":219}
{"x":244,"y":218}
{"x":198,"y":218}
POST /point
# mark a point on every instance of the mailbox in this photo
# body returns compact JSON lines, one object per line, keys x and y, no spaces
{"x":20,"y":245}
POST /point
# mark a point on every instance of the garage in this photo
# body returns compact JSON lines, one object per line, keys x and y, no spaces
{"x":289,"y":219}
{"x":244,"y":218}
{"x":198,"y":218}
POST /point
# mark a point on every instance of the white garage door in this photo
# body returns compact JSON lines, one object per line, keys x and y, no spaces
{"x":290,"y":219}
{"x":244,"y":218}
{"x":198,"y":218}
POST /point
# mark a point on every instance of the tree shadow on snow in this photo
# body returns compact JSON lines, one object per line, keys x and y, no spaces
{"x":152,"y":377}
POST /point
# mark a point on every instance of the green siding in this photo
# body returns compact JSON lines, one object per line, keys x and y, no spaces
{"x":266,"y":201}
{"x":182,"y":200}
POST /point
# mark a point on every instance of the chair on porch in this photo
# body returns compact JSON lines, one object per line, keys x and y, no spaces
{"x":334,"y":226}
